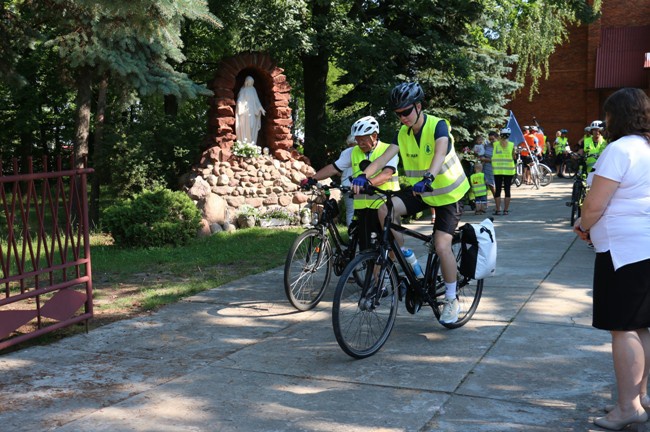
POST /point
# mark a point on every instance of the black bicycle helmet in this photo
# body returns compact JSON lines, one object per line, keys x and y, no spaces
{"x":405,"y":94}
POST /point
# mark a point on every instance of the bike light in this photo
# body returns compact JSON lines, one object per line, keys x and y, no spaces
{"x":314,"y":218}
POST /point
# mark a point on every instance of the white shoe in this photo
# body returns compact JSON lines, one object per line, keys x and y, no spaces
{"x":450,"y":311}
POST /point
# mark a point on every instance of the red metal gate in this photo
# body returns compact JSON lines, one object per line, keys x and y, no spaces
{"x":44,"y":251}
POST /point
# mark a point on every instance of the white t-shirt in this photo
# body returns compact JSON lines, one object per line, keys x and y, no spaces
{"x":344,"y":163}
{"x":479,"y":149}
{"x":624,"y":228}
{"x":345,"y":158}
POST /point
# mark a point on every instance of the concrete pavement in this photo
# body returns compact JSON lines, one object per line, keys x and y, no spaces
{"x":239,"y":358}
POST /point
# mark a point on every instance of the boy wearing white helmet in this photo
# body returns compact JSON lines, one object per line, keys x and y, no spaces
{"x":368,"y":148}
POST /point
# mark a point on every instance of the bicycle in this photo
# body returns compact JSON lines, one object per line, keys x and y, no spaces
{"x":318,"y":251}
{"x":368,"y":292}
{"x":579,"y":189}
{"x":540,"y":174}
{"x":570,"y":165}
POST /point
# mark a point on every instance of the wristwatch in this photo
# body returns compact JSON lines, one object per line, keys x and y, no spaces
{"x":427,"y":175}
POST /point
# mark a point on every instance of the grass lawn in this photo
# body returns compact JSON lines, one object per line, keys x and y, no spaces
{"x":132,"y":282}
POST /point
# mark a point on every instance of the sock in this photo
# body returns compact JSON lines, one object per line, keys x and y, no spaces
{"x":450,"y":290}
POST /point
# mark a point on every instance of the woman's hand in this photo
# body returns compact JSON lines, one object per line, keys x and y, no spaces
{"x":583,"y":234}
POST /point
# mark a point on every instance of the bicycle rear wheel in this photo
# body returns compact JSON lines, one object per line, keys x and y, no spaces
{"x":307,"y":269}
{"x":468,"y":292}
{"x":365,"y":305}
{"x":545,"y":175}
{"x":569,"y":168}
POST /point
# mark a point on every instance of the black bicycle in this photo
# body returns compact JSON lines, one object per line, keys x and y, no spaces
{"x":367,"y":295}
{"x":570,"y":165}
{"x":579,"y":189}
{"x":318,"y":251}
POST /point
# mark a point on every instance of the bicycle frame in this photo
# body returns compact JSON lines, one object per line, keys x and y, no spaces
{"x":388,"y":243}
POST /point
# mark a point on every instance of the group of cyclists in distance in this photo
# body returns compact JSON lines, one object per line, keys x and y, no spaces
{"x":437,"y":181}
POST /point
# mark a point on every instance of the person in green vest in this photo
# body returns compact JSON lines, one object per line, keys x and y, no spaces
{"x":503,"y":164}
{"x":594,"y":144}
{"x":477,"y":180}
{"x":560,"y":149}
{"x":365,"y":132}
{"x":435,"y":176}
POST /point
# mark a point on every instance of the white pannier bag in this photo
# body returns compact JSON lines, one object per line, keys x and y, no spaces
{"x":478,"y":258}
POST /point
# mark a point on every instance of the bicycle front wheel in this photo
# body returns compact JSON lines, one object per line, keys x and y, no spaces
{"x":575,"y":201}
{"x":365,"y":305}
{"x":468,"y":292}
{"x":545,"y":175}
{"x":307,"y":269}
{"x":534,"y":175}
{"x":517,"y":178}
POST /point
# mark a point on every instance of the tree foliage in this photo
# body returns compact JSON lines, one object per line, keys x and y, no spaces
{"x":341,"y":58}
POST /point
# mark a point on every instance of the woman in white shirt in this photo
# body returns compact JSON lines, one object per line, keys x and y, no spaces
{"x":616,"y":218}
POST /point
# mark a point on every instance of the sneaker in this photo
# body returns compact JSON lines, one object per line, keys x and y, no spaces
{"x":450,"y":311}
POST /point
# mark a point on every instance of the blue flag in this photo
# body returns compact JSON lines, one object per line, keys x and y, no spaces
{"x":516,"y":135}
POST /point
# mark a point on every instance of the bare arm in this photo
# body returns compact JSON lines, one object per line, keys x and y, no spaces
{"x":598,"y":198}
{"x":326,"y":172}
{"x":382,"y":160}
{"x":385,"y":175}
{"x":442,"y":144}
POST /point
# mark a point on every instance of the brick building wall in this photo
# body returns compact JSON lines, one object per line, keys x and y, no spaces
{"x":569,"y":99}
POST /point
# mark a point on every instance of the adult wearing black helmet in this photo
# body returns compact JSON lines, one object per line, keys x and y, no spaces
{"x":435,"y":174}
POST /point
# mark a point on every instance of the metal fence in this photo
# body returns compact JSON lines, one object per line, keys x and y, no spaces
{"x":46,"y":278}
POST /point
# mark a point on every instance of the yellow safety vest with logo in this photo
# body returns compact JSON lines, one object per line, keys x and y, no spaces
{"x":450,"y":184}
{"x":364,"y":201}
{"x":478,"y":184}
{"x":593,"y":150}
{"x":502,"y":162}
{"x":560,"y":145}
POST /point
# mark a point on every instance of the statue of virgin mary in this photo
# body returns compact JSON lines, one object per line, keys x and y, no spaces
{"x":248,"y":113}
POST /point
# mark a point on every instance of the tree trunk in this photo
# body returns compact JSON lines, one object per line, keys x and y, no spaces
{"x":171,"y":105}
{"x":315,"y":68}
{"x":98,"y":149}
{"x":82,"y":130}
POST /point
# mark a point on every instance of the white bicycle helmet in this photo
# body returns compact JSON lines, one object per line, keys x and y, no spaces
{"x":365,"y":126}
{"x":505,"y":132}
{"x":596,"y":124}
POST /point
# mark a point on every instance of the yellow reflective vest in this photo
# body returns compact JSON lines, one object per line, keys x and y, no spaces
{"x":502,"y":162}
{"x":593,"y":150}
{"x":560,"y":145}
{"x":364,"y":201}
{"x":450,"y":184}
{"x":478,"y":184}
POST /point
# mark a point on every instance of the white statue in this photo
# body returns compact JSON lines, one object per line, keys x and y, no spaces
{"x":249,"y":112}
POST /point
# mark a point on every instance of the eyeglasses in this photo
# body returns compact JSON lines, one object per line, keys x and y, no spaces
{"x":405,"y":113}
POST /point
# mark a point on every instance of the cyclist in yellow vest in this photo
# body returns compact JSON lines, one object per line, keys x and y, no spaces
{"x":365,"y":132}
{"x":435,"y":174}
{"x":560,"y":149}
{"x":594,"y":144}
{"x":503,"y":164}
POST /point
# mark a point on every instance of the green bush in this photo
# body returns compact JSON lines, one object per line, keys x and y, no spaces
{"x":153,"y":218}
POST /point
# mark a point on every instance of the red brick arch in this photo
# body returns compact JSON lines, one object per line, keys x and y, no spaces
{"x":274,"y":93}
